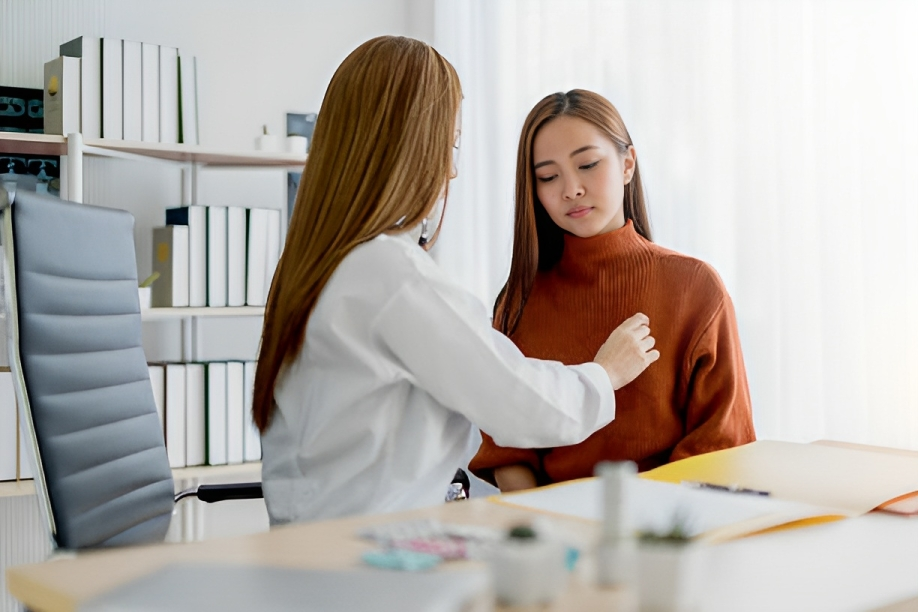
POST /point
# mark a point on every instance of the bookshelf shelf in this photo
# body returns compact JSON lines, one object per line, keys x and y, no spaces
{"x":23,"y":488}
{"x":32,"y":144}
{"x":17,"y":488}
{"x":45,"y":144}
{"x":249,"y":470}
{"x":192,"y":154}
{"x":171,"y":314}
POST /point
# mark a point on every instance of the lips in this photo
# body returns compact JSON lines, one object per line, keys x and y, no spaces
{"x":580,"y":211}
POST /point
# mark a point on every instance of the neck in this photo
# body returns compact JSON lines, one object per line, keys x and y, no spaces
{"x":584,"y":255}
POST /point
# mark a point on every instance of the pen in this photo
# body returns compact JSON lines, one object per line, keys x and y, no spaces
{"x":733,"y":488}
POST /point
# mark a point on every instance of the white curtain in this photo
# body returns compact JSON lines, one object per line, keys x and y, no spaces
{"x":778,"y":141}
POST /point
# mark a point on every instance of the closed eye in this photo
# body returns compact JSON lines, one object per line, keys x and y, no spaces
{"x":546,"y":179}
{"x":590,"y":166}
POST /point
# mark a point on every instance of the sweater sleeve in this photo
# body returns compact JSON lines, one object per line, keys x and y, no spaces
{"x":718,"y":410}
{"x":491,"y":456}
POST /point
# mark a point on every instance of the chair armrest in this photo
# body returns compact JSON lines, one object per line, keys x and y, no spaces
{"x":220,"y":492}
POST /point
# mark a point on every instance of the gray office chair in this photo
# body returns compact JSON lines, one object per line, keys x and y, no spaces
{"x":81,"y":378}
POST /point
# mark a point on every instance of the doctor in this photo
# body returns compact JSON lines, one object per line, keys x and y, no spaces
{"x":375,"y":371}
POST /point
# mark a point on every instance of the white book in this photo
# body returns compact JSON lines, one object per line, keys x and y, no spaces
{"x":62,"y":95}
{"x":216,"y":414}
{"x":235,"y":256}
{"x":274,"y":226}
{"x":188,"y":94}
{"x":256,"y":257}
{"x":149,"y":87}
{"x":175,"y":414}
{"x":195,"y":414}
{"x":112,"y":89}
{"x":89,"y":50}
{"x":132,"y":82}
{"x":235,"y":412}
{"x":170,"y":259}
{"x":252,"y":438}
{"x":195,"y":217}
{"x":216,"y":256}
{"x":158,"y":382}
{"x":168,"y":96}
{"x":8,"y":427}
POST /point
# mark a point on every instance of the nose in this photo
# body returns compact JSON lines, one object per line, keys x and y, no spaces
{"x":573,"y":189}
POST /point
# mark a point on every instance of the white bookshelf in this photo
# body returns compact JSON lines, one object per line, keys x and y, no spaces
{"x":45,"y":144}
{"x":173,"y":314}
{"x":189,"y":158}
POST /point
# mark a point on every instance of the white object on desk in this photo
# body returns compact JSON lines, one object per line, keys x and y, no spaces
{"x":529,"y":571}
{"x":713,"y":516}
{"x":671,"y":576}
{"x":616,"y":556}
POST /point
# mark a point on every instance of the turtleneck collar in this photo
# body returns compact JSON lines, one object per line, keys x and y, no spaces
{"x":580,"y":252}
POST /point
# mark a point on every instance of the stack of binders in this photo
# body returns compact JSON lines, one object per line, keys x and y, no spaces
{"x":122,"y":90}
{"x":215,"y":256}
{"x":206,"y":412}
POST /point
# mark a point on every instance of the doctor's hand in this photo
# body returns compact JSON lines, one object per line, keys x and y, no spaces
{"x":628,"y":351}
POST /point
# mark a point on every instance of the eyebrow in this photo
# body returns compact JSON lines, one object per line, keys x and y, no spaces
{"x":549,"y":161}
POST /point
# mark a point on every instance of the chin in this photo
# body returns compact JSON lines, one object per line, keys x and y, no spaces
{"x":584,"y":232}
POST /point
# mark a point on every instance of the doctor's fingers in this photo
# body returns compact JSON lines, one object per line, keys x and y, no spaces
{"x":635,"y":321}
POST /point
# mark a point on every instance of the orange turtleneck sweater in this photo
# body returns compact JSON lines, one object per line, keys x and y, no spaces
{"x":693,"y":400}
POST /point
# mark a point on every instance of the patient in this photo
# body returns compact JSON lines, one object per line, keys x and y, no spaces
{"x":583,"y":262}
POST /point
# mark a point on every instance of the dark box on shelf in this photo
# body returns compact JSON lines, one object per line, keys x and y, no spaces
{"x":22,"y":110}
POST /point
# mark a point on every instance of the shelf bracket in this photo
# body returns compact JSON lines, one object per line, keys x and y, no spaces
{"x":74,"y":182}
{"x":190,"y":181}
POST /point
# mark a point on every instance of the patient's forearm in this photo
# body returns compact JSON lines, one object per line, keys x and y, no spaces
{"x":514,"y":478}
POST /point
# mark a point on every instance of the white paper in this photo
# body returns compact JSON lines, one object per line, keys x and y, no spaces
{"x":656,"y":506}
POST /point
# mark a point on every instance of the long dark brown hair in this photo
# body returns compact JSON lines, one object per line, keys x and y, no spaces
{"x":537,"y":241}
{"x":381,"y":156}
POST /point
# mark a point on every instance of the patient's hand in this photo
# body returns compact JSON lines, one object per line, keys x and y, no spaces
{"x":514,"y":478}
{"x":628,"y":351}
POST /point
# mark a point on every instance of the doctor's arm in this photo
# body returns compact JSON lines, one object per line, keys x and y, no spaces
{"x":442,"y":336}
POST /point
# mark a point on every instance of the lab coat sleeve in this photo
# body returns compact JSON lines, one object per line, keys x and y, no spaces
{"x":441,"y":336}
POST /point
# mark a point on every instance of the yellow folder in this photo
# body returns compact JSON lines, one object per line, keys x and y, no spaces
{"x":853,"y":478}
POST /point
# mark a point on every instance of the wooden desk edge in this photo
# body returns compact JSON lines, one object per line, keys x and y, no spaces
{"x":63,"y":585}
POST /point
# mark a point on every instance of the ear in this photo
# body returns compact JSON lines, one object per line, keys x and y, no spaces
{"x":629,"y":163}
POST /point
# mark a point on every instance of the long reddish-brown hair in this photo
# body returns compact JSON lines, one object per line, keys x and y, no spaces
{"x":537,"y":241}
{"x":381,"y":156}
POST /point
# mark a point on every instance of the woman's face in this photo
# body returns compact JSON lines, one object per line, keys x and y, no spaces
{"x":580,"y":176}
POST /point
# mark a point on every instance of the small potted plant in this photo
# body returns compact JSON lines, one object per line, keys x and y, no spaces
{"x":145,"y":289}
{"x":528,"y":567}
{"x":671,"y":566}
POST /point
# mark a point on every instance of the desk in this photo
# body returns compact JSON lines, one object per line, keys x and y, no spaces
{"x":864,"y":563}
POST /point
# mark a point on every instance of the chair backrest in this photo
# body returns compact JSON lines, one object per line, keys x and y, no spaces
{"x":80,"y":373}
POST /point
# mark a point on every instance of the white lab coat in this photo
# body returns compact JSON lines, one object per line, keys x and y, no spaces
{"x":398,"y":368}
